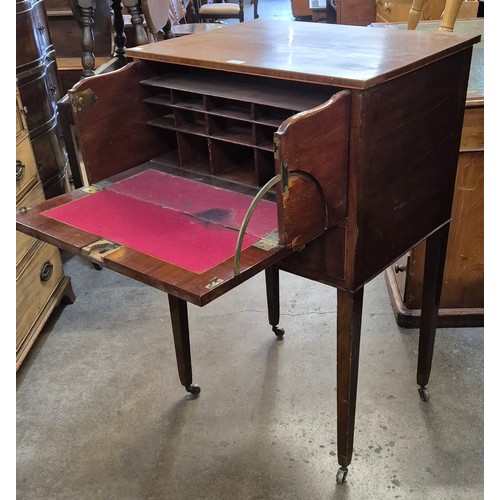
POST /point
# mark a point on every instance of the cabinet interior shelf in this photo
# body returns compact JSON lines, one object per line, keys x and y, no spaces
{"x":225,"y":126}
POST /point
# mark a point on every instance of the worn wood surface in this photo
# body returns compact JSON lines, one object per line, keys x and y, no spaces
{"x":289,"y":50}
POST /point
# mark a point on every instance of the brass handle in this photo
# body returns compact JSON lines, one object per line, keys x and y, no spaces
{"x":263,"y":190}
{"x":46,"y":271}
{"x":20,"y":168}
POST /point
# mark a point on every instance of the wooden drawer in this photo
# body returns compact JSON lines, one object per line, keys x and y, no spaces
{"x":26,"y":172}
{"x":390,"y":11}
{"x":23,"y":241}
{"x":34,"y":287}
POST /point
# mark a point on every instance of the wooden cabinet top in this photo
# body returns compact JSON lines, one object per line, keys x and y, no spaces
{"x":345,"y":56}
{"x":475,"y":90}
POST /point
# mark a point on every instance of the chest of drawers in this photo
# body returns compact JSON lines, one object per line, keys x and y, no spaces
{"x":40,"y":280}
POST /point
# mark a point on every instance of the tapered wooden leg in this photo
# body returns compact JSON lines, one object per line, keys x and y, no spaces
{"x":180,"y":327}
{"x":273,"y":300}
{"x":435,"y":255}
{"x":349,"y":310}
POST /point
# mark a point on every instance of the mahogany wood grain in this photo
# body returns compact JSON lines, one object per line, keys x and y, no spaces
{"x":298,"y":136}
{"x":433,"y":279}
{"x":180,"y":328}
{"x":104,"y":129}
{"x":289,"y":50}
{"x":405,"y":175}
{"x":349,"y":311}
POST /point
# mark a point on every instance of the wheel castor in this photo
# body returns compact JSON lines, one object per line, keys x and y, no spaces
{"x":279,"y":332}
{"x":424,"y":393}
{"x":341,"y":475}
{"x":98,"y":267}
{"x":193,"y":389}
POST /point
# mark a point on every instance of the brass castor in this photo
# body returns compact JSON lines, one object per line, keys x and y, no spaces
{"x":279,"y":332}
{"x":341,"y":475}
{"x":424,"y":393}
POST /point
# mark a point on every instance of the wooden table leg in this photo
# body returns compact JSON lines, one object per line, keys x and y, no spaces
{"x":435,"y":255}
{"x":180,"y":327}
{"x":119,"y":28}
{"x":273,"y":300}
{"x":137,"y":20}
{"x":349,"y":310}
{"x":86,"y":19}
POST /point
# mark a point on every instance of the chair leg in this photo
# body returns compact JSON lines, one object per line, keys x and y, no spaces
{"x":119,"y":28}
{"x":273,"y":300}
{"x":180,"y":328}
{"x":349,"y":310}
{"x":435,"y":255}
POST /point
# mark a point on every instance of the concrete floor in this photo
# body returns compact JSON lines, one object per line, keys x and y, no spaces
{"x":101,"y":413}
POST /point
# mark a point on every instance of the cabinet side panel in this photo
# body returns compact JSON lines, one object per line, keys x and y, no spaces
{"x":403,"y":173}
{"x":113,"y":133}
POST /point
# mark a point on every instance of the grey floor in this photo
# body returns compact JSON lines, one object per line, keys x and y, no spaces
{"x":101,"y":413}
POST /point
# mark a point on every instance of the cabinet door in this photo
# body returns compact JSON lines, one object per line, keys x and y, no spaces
{"x":312,"y":153}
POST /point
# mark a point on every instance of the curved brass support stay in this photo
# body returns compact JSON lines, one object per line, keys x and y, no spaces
{"x":263,"y":190}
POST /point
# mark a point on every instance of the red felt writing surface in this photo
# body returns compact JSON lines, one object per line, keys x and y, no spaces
{"x":152,"y":220}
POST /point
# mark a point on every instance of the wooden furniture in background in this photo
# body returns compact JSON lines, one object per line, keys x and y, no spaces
{"x":221,"y":9}
{"x":462,"y":298}
{"x":352,"y":12}
{"x":66,"y":27}
{"x":397,"y":11}
{"x":217,"y":111}
{"x":40,"y":281}
{"x":40,"y":89}
{"x":300,"y":8}
{"x":193,"y":28}
{"x":318,"y":10}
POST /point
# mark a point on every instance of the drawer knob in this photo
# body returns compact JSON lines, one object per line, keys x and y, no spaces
{"x":20,"y":168}
{"x":399,"y":269}
{"x":46,"y":271}
{"x":388,"y":6}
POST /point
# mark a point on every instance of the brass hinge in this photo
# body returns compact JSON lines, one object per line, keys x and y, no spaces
{"x":100,"y":249}
{"x":81,"y":100}
{"x":268,"y":242}
{"x":92,"y":189}
{"x":284,"y":176}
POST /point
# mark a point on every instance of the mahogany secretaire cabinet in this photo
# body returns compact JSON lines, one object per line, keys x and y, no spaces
{"x":263,"y":146}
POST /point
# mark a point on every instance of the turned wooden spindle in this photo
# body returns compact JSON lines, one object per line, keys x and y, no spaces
{"x":415,"y":14}
{"x":450,"y":14}
{"x":87,"y":9}
{"x":137,"y":19}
